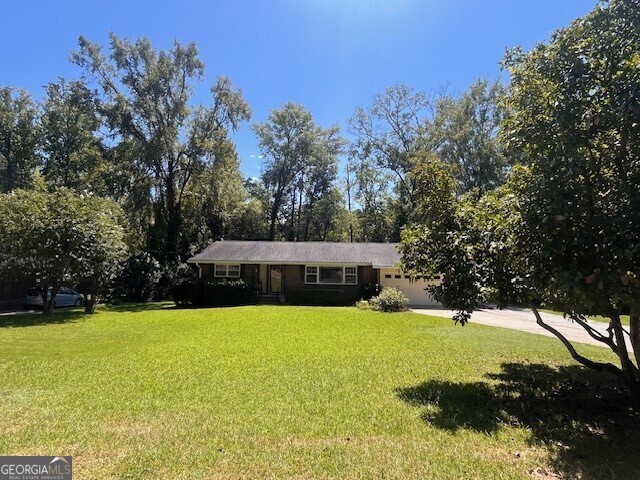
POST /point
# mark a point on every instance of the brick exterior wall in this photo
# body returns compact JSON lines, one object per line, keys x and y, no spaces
{"x":294,"y":279}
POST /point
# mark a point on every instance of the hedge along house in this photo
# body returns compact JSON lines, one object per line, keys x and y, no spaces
{"x":295,"y":270}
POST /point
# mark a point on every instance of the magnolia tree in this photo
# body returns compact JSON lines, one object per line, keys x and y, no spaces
{"x":59,"y":237}
{"x":565,"y":229}
{"x":102,"y":249}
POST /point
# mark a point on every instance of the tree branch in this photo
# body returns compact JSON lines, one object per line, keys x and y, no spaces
{"x":598,"y":366}
{"x":595,"y":334}
{"x":621,"y":350}
{"x":188,"y":171}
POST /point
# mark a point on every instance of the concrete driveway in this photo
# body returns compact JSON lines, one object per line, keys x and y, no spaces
{"x":522,"y":319}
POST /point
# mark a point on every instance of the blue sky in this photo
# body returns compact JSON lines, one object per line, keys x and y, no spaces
{"x":329,"y":55}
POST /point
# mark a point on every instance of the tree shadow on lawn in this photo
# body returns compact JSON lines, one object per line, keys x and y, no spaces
{"x":31,"y":319}
{"x":75,"y":314}
{"x":165,"y":305}
{"x":583,"y":417}
{"x":136,"y":307}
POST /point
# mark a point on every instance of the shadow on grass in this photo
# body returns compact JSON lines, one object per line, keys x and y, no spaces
{"x":584,"y":419}
{"x":66,"y":315}
{"x":31,"y":319}
{"x":136,"y":307}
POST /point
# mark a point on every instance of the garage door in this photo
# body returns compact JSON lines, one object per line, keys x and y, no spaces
{"x":413,"y":290}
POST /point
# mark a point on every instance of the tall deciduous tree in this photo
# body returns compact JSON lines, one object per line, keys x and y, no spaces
{"x":146,"y":99}
{"x":390,"y":132}
{"x":219,"y":203}
{"x":300,"y":165}
{"x":466,"y":129}
{"x":19,"y":138}
{"x":372,"y":195}
{"x":73,"y":153}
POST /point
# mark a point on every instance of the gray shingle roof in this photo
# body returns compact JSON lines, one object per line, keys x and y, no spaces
{"x":375,"y":254}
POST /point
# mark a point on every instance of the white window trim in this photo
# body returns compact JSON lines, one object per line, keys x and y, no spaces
{"x":226,"y":270}
{"x":317,"y":274}
{"x":307,"y":273}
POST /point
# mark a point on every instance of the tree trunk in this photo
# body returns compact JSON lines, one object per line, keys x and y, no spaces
{"x":349,"y":205}
{"x":627,"y":374}
{"x":298,"y":233}
{"x":634,"y":329}
{"x":272,"y":222}
{"x":48,"y":302}
{"x":633,"y":386}
{"x":629,"y":370}
{"x":306,"y":225}
{"x":174,"y":220}
{"x":291,"y":235}
{"x":90,"y":302}
{"x":90,"y":292}
{"x":277,"y":199}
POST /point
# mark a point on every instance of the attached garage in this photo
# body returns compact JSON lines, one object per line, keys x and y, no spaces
{"x":390,"y":277}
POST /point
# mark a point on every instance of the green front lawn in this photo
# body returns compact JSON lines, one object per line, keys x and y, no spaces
{"x":280,"y":392}
{"x":624,"y":319}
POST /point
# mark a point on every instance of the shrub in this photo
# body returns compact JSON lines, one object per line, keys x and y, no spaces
{"x":330,"y":297}
{"x":390,"y":300}
{"x":211,"y":293}
{"x":364,"y":305}
{"x":139,"y":277}
{"x":170,"y":276}
{"x":183,"y":293}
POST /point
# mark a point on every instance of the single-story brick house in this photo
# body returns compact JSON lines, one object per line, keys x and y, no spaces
{"x":286,"y":268}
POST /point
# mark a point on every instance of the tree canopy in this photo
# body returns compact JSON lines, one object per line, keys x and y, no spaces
{"x":146,"y":101}
{"x":466,"y":134}
{"x":73,"y":152}
{"x":60,"y":237}
{"x":300,"y":170}
{"x":565,"y":229}
{"x":19,"y":138}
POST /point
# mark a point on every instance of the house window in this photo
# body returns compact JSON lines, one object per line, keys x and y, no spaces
{"x":225,"y":270}
{"x":331,"y":275}
{"x":350,"y":275}
{"x":311,"y":275}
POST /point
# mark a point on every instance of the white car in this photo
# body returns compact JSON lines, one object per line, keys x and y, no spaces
{"x":64,"y":298}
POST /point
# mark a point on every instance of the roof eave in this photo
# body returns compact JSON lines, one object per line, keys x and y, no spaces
{"x":279,"y":262}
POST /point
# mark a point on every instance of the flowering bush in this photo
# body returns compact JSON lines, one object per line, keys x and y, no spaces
{"x":389,"y":300}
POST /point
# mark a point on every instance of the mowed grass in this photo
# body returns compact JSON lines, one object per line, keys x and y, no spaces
{"x":294,"y":392}
{"x":624,"y":319}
